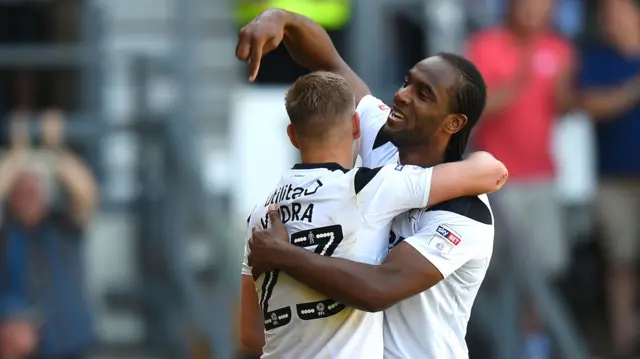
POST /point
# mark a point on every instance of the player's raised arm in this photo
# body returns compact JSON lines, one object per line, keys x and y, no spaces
{"x":387,"y":191}
{"x":307,"y":42}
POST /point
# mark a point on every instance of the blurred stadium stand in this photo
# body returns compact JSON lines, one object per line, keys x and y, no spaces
{"x":155,"y":278}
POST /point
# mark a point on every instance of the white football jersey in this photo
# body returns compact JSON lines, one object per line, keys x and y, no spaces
{"x":339,"y":213}
{"x":455,"y":236}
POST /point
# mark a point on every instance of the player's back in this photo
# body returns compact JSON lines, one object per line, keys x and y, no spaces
{"x":319,"y":209}
{"x":339,"y":213}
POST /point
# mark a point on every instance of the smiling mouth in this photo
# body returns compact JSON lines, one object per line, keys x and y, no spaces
{"x":396,"y":115}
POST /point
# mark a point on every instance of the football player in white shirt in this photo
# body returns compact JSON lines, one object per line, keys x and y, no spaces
{"x":439,"y":257}
{"x":339,"y":213}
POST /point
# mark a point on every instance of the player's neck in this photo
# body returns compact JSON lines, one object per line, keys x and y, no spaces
{"x":420,"y":156}
{"x":327,"y":155}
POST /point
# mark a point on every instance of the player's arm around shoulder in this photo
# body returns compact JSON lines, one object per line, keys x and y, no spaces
{"x":384,"y":192}
{"x":251,"y":325}
{"x":445,"y":242}
{"x":387,"y":191}
{"x":478,"y":174}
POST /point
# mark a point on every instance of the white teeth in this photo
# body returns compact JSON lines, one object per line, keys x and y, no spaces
{"x":397,"y":114}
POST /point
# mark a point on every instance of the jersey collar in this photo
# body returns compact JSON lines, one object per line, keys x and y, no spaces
{"x":381,"y":139}
{"x":331,"y":166}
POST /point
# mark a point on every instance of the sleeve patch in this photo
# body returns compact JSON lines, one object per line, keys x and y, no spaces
{"x":440,"y":244}
{"x":449,"y":235}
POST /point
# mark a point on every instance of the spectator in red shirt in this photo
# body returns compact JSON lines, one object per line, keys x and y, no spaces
{"x":528,"y":70}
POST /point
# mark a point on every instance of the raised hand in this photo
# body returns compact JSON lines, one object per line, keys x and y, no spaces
{"x":261,"y":36}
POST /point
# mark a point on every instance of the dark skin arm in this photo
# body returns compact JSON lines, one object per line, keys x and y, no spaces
{"x":404,"y":273}
{"x":307,"y":42}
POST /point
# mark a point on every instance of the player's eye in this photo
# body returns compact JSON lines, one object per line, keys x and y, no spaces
{"x":405,"y":83}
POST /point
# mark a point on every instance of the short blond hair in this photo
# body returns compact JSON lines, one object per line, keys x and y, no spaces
{"x":319,"y":101}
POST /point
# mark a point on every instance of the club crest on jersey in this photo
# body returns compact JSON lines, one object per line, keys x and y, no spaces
{"x":448,"y":235}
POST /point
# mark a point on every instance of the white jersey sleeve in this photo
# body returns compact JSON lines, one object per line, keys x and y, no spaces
{"x":385,"y":192}
{"x":246,"y":269}
{"x":373,"y":115}
{"x":449,"y":240}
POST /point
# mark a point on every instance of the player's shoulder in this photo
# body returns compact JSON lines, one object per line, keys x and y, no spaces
{"x":330,"y":167}
{"x":472,"y":209}
{"x":303,"y":174}
{"x":467,"y":220}
{"x":471,"y":216}
{"x":362,"y":176}
{"x":372,"y":104}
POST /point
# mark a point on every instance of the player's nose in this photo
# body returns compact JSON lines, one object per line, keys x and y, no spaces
{"x":402,"y":95}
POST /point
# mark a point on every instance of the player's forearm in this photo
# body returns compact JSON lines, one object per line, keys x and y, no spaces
{"x":309,"y":44}
{"x":351,"y":283}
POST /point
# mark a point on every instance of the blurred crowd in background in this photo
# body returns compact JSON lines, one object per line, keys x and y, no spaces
{"x":133,"y":151}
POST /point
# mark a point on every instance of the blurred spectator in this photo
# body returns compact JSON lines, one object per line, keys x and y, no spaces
{"x":610,"y":83}
{"x":528,"y":70}
{"x":43,"y":313}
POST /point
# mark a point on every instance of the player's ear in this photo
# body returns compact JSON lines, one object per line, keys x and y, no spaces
{"x":454,"y":123}
{"x":292,"y":136}
{"x":356,"y":126}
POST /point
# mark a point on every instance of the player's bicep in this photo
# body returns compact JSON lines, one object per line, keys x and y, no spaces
{"x":403,"y":274}
{"x":412,"y":270}
{"x":251,"y":325}
{"x":385,"y":192}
